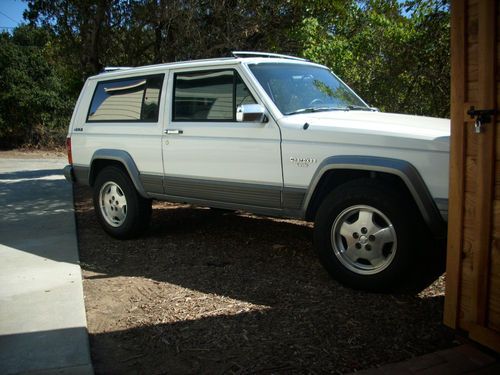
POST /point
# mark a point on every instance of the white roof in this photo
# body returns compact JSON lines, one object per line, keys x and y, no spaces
{"x":151,"y":69}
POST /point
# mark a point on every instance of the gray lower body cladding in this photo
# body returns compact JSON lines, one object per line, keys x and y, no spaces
{"x":228,"y":192}
{"x":225,"y":191}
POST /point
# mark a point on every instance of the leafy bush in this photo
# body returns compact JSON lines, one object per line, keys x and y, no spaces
{"x":35,"y":106}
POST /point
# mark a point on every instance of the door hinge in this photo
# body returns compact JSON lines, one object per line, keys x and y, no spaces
{"x":482,"y":116}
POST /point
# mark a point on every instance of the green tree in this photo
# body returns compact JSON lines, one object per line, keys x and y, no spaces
{"x":394,"y":54}
{"x":35,"y":105}
{"x":397,"y":63}
{"x":85,"y":29}
{"x":96,"y":33}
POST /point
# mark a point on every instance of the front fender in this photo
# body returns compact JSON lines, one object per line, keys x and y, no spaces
{"x":400,"y":168}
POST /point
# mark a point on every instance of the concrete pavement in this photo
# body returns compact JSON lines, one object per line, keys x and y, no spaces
{"x":43,"y":325}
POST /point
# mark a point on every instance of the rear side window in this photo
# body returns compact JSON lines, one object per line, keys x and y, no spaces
{"x":130,"y":99}
{"x":209,"y":95}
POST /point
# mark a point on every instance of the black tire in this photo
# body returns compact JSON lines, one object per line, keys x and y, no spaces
{"x":355,"y":252}
{"x":122,"y":212}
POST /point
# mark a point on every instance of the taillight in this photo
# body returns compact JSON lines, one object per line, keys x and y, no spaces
{"x":68,"y":148}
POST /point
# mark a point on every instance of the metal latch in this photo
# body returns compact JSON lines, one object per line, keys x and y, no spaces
{"x":482,"y":116}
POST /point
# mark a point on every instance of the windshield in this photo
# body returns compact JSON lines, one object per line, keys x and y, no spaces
{"x":297,"y":88}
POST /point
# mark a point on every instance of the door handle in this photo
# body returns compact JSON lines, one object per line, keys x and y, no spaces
{"x":174,"y":131}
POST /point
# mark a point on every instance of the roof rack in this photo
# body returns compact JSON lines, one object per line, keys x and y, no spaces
{"x":265,"y":54}
{"x":109,"y":69}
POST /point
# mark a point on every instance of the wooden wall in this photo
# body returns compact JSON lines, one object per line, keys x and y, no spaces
{"x":473,"y":265}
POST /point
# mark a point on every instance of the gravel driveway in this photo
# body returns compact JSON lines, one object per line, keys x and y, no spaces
{"x":213,"y":292}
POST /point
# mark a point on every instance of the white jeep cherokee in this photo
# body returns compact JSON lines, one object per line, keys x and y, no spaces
{"x":269,"y":134}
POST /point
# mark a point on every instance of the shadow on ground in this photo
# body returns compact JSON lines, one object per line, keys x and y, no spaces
{"x":205,"y":291}
{"x":34,"y":206}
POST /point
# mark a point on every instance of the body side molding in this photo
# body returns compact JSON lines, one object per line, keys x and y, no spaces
{"x":124,"y":158}
{"x":251,"y":194}
{"x":400,"y":168}
{"x":258,"y":210}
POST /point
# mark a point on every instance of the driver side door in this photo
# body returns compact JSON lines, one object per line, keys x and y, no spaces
{"x":208,"y":156}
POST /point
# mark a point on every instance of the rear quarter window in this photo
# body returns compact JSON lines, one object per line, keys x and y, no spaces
{"x":133,"y":99}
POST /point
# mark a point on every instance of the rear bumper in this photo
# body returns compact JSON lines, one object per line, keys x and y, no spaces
{"x":69,"y":174}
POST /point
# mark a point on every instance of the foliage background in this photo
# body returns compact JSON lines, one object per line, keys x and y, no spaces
{"x":395,"y":54}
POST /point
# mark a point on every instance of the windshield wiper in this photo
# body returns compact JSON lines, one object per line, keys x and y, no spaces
{"x":359,"y":108}
{"x":315,"y":109}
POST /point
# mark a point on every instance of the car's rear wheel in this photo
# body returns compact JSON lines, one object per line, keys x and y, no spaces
{"x":122,"y":212}
{"x":367,"y":234}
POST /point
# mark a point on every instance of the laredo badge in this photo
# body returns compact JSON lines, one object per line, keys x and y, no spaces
{"x":302,"y":162}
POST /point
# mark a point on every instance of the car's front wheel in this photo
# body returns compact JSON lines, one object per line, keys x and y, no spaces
{"x":367,"y":234}
{"x":122,"y":212}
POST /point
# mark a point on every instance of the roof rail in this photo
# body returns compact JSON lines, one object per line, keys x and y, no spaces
{"x":109,"y":69}
{"x":265,"y":54}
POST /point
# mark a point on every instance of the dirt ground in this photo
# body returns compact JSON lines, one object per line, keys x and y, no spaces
{"x":210,"y":292}
{"x":33,"y":154}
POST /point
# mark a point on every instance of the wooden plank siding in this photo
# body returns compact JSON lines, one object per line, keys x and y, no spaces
{"x":483,"y":31}
{"x":473,"y":264}
{"x":494,"y":305}
{"x":452,"y":307}
{"x":494,"y":300}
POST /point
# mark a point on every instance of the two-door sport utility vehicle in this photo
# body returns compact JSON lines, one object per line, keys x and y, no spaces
{"x":269,"y":134}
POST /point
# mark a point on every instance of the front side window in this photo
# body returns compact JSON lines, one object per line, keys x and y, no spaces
{"x":129,"y":99}
{"x":299,"y":88}
{"x":209,"y":95}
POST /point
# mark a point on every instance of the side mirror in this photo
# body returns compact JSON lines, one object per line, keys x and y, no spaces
{"x":251,"y":113}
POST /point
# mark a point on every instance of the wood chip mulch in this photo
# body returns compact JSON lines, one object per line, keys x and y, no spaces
{"x":205,"y":291}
